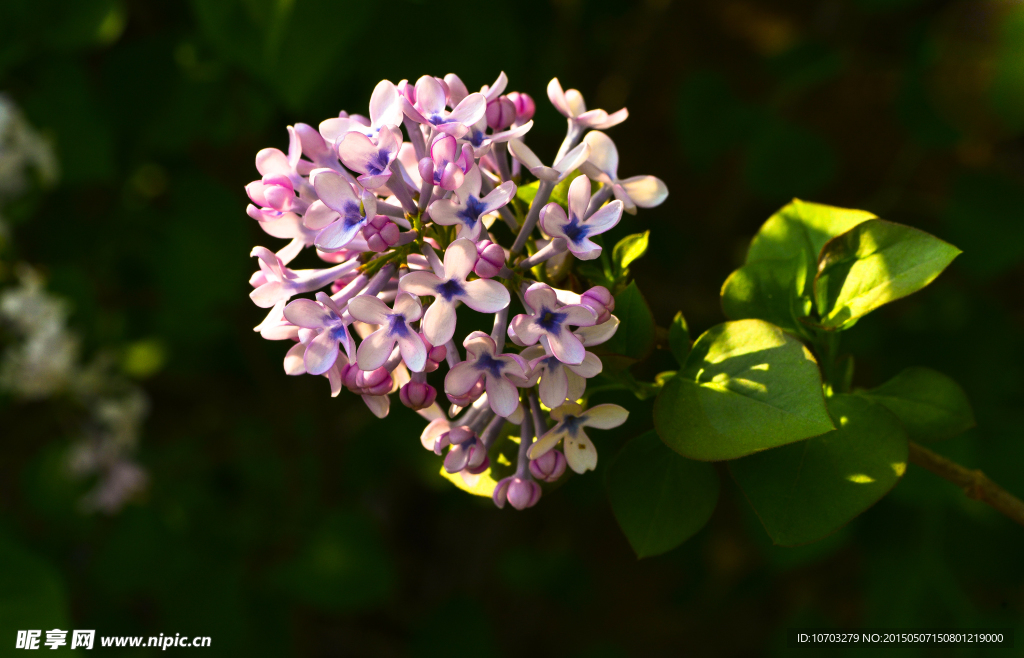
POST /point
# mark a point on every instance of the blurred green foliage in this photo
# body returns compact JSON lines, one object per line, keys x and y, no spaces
{"x":280,"y":521}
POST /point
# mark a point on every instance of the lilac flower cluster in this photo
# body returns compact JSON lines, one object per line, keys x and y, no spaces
{"x":409,"y":208}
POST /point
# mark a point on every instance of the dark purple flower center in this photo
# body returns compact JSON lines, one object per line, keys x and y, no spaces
{"x":352,"y":214}
{"x":575,"y":231}
{"x":474,"y":208}
{"x":571,"y":424}
{"x":449,"y":290}
{"x":550,"y":321}
{"x":397,"y":325}
{"x":476,"y":138}
{"x":377,"y":164}
{"x":489,"y":364}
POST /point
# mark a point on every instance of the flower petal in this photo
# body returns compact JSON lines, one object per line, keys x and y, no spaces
{"x":485,"y":296}
{"x":597,"y":334}
{"x":321,"y":353}
{"x":445,"y":212}
{"x":318,"y":215}
{"x":438,"y":323}
{"x":580,"y":453}
{"x":409,"y":306}
{"x":307,"y":313}
{"x":546,"y":442}
{"x":379,"y":405}
{"x":334,"y":190}
{"x":502,"y":395}
{"x":572,"y":160}
{"x":375,"y":349}
{"x":591,"y":367}
{"x":357,"y":152}
{"x":461,"y":379}
{"x":368,"y":309}
{"x":293,"y":360}
{"x":385,"y":110}
{"x":557,"y":98}
{"x":414,"y":352}
{"x":554,"y":386}
{"x":603,"y":153}
{"x":430,"y":96}
{"x":459,"y":259}
{"x":645,"y":191}
{"x":606,"y":217}
{"x":272,"y":162}
{"x":421,"y":284}
{"x":470,"y":110}
{"x":566,"y":347}
{"x":335,"y":236}
{"x":605,"y":416}
{"x":579,"y":197}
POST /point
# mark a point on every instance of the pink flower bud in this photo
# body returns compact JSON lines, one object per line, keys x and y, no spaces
{"x":435,"y":355}
{"x":490,"y":259}
{"x":374,"y":382}
{"x":600,"y":301}
{"x":417,"y":395}
{"x":501,"y":112}
{"x":548,"y":467}
{"x":525,"y":106}
{"x":349,"y":377}
{"x":380,"y":233}
{"x":520,"y":492}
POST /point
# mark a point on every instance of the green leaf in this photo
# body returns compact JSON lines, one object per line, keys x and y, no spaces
{"x":659,"y":498}
{"x":560,"y":194}
{"x":802,"y":226}
{"x":872,"y":264}
{"x":635,"y":336}
{"x":679,"y":338}
{"x":527,"y":192}
{"x":770,"y":290}
{"x":930,"y":405}
{"x":629,"y":248}
{"x":807,"y":491}
{"x":745,"y":387}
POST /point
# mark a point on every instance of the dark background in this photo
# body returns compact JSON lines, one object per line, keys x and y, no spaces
{"x":280,"y":521}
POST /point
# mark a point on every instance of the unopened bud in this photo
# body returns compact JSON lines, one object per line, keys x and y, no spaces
{"x":501,"y":113}
{"x":490,"y":259}
{"x":548,"y":467}
{"x":525,"y":106}
{"x":417,"y":395}
{"x":600,"y":301}
{"x":380,"y":233}
{"x":520,"y":492}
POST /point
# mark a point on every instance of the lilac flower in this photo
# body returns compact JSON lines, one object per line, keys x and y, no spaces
{"x":326,"y":318}
{"x":525,"y":107}
{"x":275,"y":283}
{"x":417,"y":395}
{"x":574,"y":229}
{"x":380,"y":234}
{"x":570,"y":104}
{"x":520,"y":492}
{"x":558,"y":381}
{"x":603,"y":166}
{"x":467,"y":452}
{"x":432,"y":433}
{"x":338,"y":214}
{"x":490,"y":259}
{"x":395,"y":327}
{"x":450,"y":162}
{"x":467,"y":209}
{"x":561,"y":170}
{"x":549,"y":322}
{"x":449,"y":286}
{"x":371,"y":160}
{"x":429,"y":108}
{"x":277,"y":193}
{"x":482,"y":141}
{"x":548,"y":467}
{"x":502,"y":373}
{"x":372,"y":386}
{"x":571,"y":419}
{"x":385,"y":111}
{"x":312,"y":145}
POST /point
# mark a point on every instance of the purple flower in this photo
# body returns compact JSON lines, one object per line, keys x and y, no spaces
{"x":338,"y":214}
{"x":326,"y":318}
{"x":449,"y":286}
{"x":380,"y":234}
{"x":275,"y":192}
{"x":548,"y":467}
{"x":429,"y":108}
{"x":372,"y":160}
{"x":467,"y":452}
{"x":569,"y":162}
{"x":467,"y":209}
{"x":549,"y":322}
{"x":558,"y":381}
{"x":450,"y":162}
{"x":570,"y":104}
{"x":482,"y":141}
{"x":520,"y":492}
{"x":385,"y":111}
{"x":417,"y":395}
{"x":574,"y":229}
{"x":490,"y":259}
{"x":275,"y":283}
{"x":603,"y":166}
{"x":525,"y":107}
{"x":395,"y":327}
{"x":501,"y":373}
{"x":579,"y":451}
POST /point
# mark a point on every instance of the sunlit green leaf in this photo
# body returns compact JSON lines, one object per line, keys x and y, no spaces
{"x":872,"y":264}
{"x":745,"y":387}
{"x":679,"y":338}
{"x":930,"y":405}
{"x":807,"y":491}
{"x":802,"y":226}
{"x":770,"y":290}
{"x":659,"y":498}
{"x":629,"y":248}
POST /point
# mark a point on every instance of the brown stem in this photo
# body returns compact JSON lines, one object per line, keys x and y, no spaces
{"x":974,"y":483}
